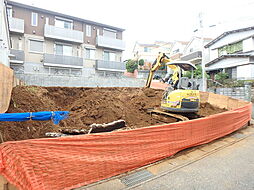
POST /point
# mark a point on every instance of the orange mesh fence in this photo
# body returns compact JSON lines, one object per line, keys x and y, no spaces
{"x":69,"y":162}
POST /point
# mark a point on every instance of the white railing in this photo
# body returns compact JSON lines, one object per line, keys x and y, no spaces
{"x":103,"y":41}
{"x":16,"y":25}
{"x":63,"y":34}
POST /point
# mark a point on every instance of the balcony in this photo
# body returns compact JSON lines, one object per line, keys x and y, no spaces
{"x":16,"y":25}
{"x":193,"y":57}
{"x":103,"y":41}
{"x":17,"y":56}
{"x":62,"y":61}
{"x":110,"y":66}
{"x":63,"y":34}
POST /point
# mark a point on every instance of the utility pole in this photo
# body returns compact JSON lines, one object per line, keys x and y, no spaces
{"x":204,"y":84}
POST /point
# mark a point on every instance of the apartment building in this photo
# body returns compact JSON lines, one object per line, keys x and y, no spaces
{"x":47,"y":42}
{"x":4,"y":35}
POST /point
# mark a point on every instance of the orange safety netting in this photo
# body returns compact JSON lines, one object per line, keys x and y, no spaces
{"x":69,"y":162}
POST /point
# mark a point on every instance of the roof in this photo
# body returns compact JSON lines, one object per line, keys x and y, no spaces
{"x":246,"y":54}
{"x":227,"y":33}
{"x":62,"y":15}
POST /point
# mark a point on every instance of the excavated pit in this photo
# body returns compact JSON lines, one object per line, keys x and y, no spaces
{"x":86,"y":106}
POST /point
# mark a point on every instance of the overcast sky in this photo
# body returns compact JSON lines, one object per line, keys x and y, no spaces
{"x":150,"y":20}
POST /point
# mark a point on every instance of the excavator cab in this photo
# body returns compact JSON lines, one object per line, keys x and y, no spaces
{"x":184,"y":97}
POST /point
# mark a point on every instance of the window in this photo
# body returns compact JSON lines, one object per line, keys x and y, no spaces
{"x":9,"y":11}
{"x":145,"y":49}
{"x":63,"y":23}
{"x":36,"y":46}
{"x":109,"y":33}
{"x":62,"y":49}
{"x":109,"y":56}
{"x":88,"y":30}
{"x":34,"y":19}
{"x":90,"y":54}
{"x":231,"y":48}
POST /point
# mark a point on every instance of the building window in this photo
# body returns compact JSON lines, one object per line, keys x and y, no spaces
{"x":63,"y":23}
{"x":62,"y":49}
{"x":90,"y":54}
{"x":9,"y":11}
{"x":109,"y":33}
{"x":145,"y":49}
{"x":34,"y":19}
{"x":231,"y":48}
{"x":109,"y":56}
{"x":36,"y":46}
{"x":88,"y":30}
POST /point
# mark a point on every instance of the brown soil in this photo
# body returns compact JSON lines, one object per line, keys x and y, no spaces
{"x":87,"y":106}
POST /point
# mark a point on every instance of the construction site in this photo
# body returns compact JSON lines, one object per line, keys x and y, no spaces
{"x":74,"y":114}
{"x":109,"y":134}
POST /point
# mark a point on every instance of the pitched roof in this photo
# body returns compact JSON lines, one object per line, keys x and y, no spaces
{"x":62,"y":15}
{"x":227,"y":33}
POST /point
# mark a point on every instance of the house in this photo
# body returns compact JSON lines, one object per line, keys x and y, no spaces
{"x":193,"y":50}
{"x":52,"y":43}
{"x":177,"y":50}
{"x":149,"y":52}
{"x":233,"y":53}
{"x":4,"y":35}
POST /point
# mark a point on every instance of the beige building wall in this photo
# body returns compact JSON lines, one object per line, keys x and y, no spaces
{"x":31,"y":56}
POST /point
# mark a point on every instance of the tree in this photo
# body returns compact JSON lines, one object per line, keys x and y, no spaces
{"x":131,"y":65}
{"x":141,"y":62}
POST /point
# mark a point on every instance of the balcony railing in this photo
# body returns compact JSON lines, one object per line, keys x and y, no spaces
{"x":17,"y":56}
{"x":63,"y":34}
{"x":16,"y":25}
{"x":110,"y":66}
{"x":103,"y":41}
{"x":62,"y":61}
{"x":192,"y":56}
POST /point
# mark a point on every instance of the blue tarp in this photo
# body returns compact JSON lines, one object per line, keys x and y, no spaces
{"x":55,"y":116}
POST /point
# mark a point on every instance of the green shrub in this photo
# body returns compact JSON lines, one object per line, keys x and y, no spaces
{"x":131,"y":66}
{"x":221,"y":76}
{"x":141,"y":62}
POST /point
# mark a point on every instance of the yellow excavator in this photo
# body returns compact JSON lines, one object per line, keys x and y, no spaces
{"x":182,"y":96}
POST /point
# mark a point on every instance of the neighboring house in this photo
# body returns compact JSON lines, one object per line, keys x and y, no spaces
{"x":149,"y":52}
{"x":177,"y":50}
{"x":232,"y":52}
{"x":4,"y":35}
{"x":193,"y":51}
{"x":47,"y":42}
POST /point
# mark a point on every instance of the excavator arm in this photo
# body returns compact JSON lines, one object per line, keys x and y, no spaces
{"x":161,"y":59}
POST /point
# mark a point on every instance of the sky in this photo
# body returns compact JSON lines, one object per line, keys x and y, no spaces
{"x":149,"y":20}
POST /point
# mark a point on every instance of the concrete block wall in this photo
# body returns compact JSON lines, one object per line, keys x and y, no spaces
{"x":93,"y":80}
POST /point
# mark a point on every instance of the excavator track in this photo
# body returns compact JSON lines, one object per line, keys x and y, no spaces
{"x":177,"y":116}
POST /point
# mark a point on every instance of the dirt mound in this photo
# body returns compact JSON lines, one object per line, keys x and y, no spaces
{"x":86,"y":106}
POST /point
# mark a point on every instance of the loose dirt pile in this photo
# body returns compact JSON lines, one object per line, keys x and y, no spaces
{"x":87,"y":106}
